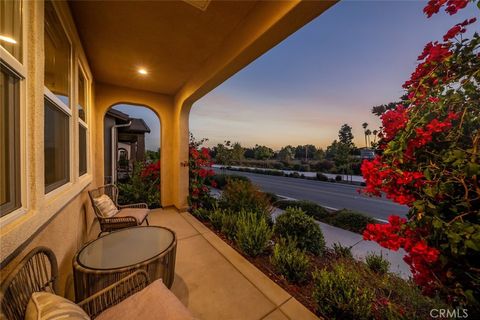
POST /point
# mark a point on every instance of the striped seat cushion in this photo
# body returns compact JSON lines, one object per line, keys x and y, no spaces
{"x":106,"y":206}
{"x":48,"y":306}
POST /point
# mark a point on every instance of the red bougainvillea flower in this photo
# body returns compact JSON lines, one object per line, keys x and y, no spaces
{"x":457,"y":29}
{"x":433,"y":6}
{"x":151,"y":171}
{"x":421,"y":257}
{"x":393,"y":121}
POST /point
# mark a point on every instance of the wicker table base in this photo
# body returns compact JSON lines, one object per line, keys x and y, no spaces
{"x":105,"y":260}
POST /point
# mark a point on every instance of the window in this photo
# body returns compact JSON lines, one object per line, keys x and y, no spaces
{"x":82,"y":122}
{"x":56,"y":147}
{"x":9,"y":142}
{"x":57,"y":56}
{"x":11,"y":27}
{"x":82,"y":149}
{"x":57,"y":98}
{"x":82,"y":95}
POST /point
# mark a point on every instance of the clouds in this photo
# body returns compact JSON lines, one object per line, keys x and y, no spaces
{"x":354,"y":56}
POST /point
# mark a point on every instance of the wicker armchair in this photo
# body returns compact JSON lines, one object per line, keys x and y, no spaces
{"x":119,"y":221}
{"x":38,"y":271}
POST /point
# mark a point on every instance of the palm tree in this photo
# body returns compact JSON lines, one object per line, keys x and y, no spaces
{"x":364,"y":126}
{"x":368,"y":133}
{"x":375,"y":134}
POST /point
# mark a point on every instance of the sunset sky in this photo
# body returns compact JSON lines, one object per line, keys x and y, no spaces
{"x":332,"y":71}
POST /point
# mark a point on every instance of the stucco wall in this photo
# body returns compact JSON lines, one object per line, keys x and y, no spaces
{"x":64,"y":234}
{"x":62,"y":218}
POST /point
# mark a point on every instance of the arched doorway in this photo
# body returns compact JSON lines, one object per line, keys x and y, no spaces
{"x":132,"y":139}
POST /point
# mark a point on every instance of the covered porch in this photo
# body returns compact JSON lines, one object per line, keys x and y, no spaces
{"x":216,"y":282}
{"x":164,"y":55}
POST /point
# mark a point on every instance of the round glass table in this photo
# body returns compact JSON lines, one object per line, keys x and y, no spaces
{"x":111,"y":257}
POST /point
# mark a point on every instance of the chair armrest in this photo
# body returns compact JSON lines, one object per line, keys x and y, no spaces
{"x":133,"y":205}
{"x":115,"y":293}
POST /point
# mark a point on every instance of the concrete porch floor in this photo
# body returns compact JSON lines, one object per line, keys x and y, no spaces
{"x":215,"y":282}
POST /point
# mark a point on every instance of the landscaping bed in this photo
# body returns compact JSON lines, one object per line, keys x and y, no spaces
{"x":291,"y":251}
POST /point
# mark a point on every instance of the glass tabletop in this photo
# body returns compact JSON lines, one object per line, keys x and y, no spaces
{"x":125,"y":247}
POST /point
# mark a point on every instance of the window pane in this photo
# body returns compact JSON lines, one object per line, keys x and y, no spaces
{"x":11,"y":27}
{"x":57,"y":55}
{"x":82,"y":149}
{"x":9,"y":143}
{"x":82,"y":94}
{"x":57,"y":156}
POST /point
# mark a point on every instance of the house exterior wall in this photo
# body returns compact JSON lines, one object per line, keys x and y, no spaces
{"x":61,"y":219}
{"x":66,"y":212}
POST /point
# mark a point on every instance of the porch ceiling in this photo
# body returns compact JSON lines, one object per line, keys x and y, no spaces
{"x":171,"y":39}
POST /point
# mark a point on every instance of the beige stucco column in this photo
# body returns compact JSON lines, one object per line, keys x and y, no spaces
{"x":172,"y":128}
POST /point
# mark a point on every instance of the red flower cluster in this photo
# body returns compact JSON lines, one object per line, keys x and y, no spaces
{"x":424,"y":135}
{"x":423,"y":77}
{"x":453,"y":6}
{"x":397,"y":184}
{"x":420,"y":257}
{"x":199,"y":165}
{"x":152,"y":170}
{"x":457,"y":29}
{"x":393,"y":121}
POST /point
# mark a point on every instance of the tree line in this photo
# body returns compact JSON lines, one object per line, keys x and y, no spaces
{"x":341,"y":156}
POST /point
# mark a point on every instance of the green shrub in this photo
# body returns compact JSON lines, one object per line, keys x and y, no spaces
{"x":377,"y":263}
{"x":222,"y":179}
{"x":253,"y":233}
{"x":321,"y":177}
{"x":350,"y":290}
{"x":341,"y":293}
{"x":350,"y":220}
{"x":290,"y":261}
{"x":229,"y":225}
{"x":338,"y":178}
{"x":241,"y":195}
{"x":294,"y":223}
{"x":406,"y":300}
{"x":342,"y":251}
{"x":310,"y":208}
{"x":140,"y":187}
{"x":201,"y":213}
{"x":216,"y":218}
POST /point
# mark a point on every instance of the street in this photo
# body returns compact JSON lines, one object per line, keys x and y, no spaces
{"x":328,"y":194}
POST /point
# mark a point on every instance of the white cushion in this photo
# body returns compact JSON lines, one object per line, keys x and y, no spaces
{"x":48,"y":306}
{"x":106,"y":206}
{"x":137,"y":213}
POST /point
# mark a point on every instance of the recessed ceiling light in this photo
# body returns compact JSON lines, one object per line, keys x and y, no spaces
{"x":7,"y":39}
{"x":142,"y":71}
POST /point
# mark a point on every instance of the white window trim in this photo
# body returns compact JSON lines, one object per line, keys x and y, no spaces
{"x":12,"y":63}
{"x":67,"y":109}
{"x":80,"y":71}
{"x":57,"y":102}
{"x":19,"y":68}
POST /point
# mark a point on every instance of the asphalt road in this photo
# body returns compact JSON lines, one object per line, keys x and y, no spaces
{"x":328,"y":194}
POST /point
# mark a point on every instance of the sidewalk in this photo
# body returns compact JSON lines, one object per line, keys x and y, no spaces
{"x":361,"y":247}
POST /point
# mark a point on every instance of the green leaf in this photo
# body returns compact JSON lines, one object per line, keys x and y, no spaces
{"x":473,"y":169}
{"x":472,"y":245}
{"x":437,"y":224}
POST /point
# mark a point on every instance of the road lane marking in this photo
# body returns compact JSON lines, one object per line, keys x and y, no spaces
{"x":381,"y":220}
{"x":330,"y":208}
